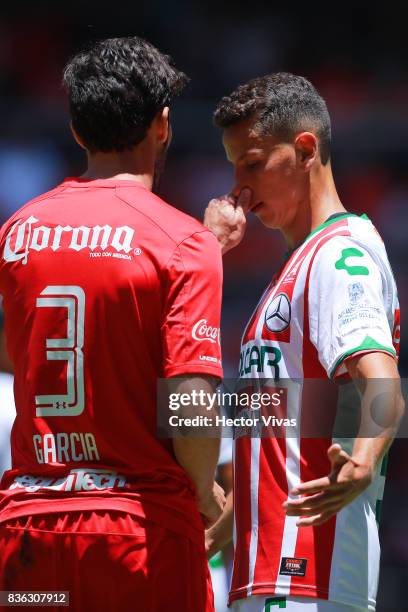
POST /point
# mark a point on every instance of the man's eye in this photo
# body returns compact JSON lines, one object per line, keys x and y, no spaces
{"x":252,"y":165}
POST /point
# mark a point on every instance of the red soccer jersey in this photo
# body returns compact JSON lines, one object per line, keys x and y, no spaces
{"x":106,"y":288}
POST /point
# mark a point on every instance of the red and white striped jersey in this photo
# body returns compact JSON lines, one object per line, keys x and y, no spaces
{"x":335,"y":297}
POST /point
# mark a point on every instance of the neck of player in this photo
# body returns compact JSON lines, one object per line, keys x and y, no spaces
{"x":319,"y":202}
{"x":137,"y":164}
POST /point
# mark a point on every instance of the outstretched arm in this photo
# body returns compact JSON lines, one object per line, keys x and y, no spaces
{"x":322,"y":498}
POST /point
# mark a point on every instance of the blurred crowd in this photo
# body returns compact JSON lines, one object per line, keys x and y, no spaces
{"x":356,"y":58}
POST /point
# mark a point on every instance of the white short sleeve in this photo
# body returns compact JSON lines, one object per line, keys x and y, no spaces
{"x":347,"y":314}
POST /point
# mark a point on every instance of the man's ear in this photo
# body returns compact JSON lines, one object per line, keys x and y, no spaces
{"x":307,"y":150}
{"x":163,"y":125}
{"x":77,"y":138}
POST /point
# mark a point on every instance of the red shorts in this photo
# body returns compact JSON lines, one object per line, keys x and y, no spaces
{"x":108,"y":561}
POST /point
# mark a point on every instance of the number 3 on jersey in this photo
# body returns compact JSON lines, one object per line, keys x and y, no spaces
{"x":67,"y":349}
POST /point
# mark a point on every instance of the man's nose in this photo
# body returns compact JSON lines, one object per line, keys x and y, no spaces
{"x":236,"y":190}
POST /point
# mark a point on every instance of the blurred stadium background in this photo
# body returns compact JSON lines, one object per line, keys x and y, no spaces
{"x":356,"y":54}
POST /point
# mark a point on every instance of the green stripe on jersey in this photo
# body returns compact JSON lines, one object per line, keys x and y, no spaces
{"x":216,"y":561}
{"x":368,"y":344}
{"x":330,"y":221}
{"x":322,"y":226}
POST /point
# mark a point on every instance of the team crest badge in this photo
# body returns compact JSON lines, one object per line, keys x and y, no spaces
{"x":356,"y":292}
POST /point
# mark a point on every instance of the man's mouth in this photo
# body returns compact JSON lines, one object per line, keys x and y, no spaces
{"x":256,"y":207}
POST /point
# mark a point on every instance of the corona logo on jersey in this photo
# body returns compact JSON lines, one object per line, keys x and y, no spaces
{"x":26,"y":236}
{"x":202,"y":331}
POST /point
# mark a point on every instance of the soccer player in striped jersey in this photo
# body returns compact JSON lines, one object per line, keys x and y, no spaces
{"x":306,"y":536}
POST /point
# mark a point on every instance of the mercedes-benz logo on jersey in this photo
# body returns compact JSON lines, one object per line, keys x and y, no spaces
{"x":277,"y":316}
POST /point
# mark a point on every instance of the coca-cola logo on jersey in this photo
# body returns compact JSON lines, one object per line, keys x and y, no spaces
{"x":26,"y":236}
{"x":201,"y":331}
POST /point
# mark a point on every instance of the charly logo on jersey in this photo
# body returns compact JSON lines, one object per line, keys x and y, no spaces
{"x":202,"y":331}
{"x":351,"y":269}
{"x":26,"y":236}
{"x":278,"y":313}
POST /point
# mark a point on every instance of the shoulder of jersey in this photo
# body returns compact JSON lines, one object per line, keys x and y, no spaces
{"x":361,"y":236}
{"x":173,"y":222}
{"x":360,"y":232}
{"x":363,"y":229}
{"x":43,"y":196}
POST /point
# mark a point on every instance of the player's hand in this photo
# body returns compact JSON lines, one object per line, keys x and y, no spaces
{"x":211,"y":505}
{"x":219,"y":535}
{"x":225,"y":217}
{"x":323,"y":498}
{"x":211,"y":545}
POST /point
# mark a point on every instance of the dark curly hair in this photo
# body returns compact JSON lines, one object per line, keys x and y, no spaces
{"x":115,"y":89}
{"x":281,"y":104}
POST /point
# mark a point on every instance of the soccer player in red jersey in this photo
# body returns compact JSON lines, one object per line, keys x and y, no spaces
{"x":306,"y":508}
{"x":107,"y":288}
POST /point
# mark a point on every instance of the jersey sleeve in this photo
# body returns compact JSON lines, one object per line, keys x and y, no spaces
{"x":347,"y":304}
{"x":192,"y":308}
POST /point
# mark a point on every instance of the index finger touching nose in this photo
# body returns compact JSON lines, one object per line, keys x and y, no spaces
{"x":244,"y":199}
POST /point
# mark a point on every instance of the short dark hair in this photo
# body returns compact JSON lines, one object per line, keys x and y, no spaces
{"x":115,"y":89}
{"x":281,"y":104}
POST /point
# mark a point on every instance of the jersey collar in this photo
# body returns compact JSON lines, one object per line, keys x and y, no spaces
{"x":77,"y":181}
{"x":332,"y":219}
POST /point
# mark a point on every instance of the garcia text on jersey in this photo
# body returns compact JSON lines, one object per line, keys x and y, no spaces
{"x":64,"y":447}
